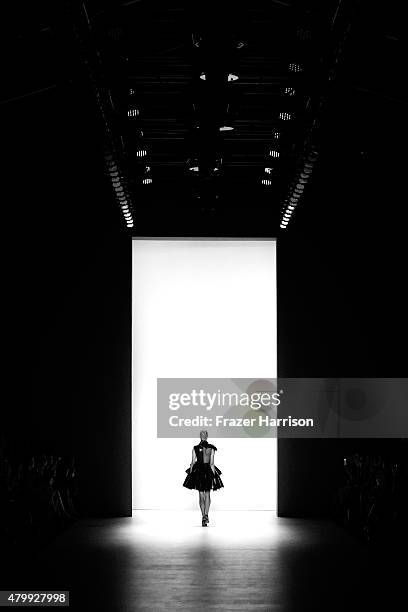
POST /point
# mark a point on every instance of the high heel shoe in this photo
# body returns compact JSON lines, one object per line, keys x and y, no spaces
{"x":205,"y":518}
{"x":204,"y":522}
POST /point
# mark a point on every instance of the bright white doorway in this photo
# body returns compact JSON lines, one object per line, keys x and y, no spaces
{"x":203,"y":308}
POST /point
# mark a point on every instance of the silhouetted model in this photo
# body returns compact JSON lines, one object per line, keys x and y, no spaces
{"x":203,"y":475}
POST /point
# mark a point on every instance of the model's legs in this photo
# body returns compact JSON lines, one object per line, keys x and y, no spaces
{"x":202,"y":501}
{"x":207,"y":502}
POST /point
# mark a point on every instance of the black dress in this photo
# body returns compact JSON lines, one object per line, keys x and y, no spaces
{"x":202,"y":477}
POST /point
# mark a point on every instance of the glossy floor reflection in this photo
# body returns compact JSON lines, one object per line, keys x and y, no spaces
{"x":241,"y":561}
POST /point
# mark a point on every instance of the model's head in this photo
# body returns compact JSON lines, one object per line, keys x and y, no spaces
{"x":203,"y":434}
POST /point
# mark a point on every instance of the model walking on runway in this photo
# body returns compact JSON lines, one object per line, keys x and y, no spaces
{"x":203,"y":475}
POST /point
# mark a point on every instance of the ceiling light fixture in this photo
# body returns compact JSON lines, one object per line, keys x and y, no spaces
{"x":298,"y":186}
{"x":294,"y":67}
{"x":285,"y":116}
{"x":119,"y":186}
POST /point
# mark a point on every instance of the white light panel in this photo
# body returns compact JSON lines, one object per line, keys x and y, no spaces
{"x":201,"y":308}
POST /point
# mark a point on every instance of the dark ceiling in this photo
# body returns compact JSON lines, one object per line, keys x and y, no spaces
{"x":106,"y":80}
{"x":60,"y":212}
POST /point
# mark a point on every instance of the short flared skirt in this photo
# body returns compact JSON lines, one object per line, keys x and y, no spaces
{"x":203,"y":478}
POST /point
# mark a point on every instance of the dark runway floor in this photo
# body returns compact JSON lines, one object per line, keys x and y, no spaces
{"x":242,"y":561}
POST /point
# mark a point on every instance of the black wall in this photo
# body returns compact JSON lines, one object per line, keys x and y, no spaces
{"x":342,"y":299}
{"x":68,"y":328}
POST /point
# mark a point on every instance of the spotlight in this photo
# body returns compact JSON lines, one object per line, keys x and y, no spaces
{"x":141,"y":153}
{"x":203,"y":77}
{"x":133,"y":112}
{"x":299,"y":187}
{"x":276,"y":134}
{"x":289,"y":91}
{"x":268,"y":170}
{"x":274,"y":153}
{"x":232,"y":77}
{"x":193,"y":165}
{"x":304,"y":34}
{"x":284,"y":116}
{"x":294,"y":67}
{"x":266,"y":182}
{"x":147,"y":181}
{"x":226,"y":128}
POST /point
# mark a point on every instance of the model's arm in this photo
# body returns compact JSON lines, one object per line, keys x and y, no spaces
{"x":212,"y":460}
{"x":193,"y":460}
